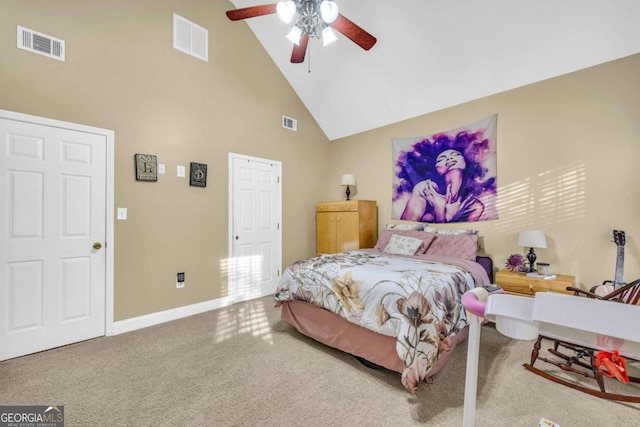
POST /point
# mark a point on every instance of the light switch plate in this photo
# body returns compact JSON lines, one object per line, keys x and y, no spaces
{"x":122,"y":214}
{"x":161,"y":168}
{"x":180,"y":171}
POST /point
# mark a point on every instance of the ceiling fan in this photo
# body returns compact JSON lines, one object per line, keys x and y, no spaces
{"x":315,"y":18}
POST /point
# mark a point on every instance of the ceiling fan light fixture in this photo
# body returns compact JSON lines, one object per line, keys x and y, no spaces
{"x":308,"y":19}
{"x":295,"y":34}
{"x":328,"y":11}
{"x":286,"y":10}
{"x":328,"y":36}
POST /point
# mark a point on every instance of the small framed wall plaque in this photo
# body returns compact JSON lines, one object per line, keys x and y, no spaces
{"x":198,"y":175}
{"x":146,"y":167}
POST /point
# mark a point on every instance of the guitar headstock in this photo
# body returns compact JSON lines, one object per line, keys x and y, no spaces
{"x":618,"y":237}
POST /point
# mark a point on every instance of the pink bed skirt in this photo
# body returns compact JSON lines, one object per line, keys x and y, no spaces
{"x":334,"y":331}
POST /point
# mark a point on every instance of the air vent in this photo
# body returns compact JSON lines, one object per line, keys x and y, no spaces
{"x":190,"y":38}
{"x":289,"y":123}
{"x":39,"y":43}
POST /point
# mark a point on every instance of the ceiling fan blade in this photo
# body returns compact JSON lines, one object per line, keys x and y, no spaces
{"x":297,"y":56}
{"x":251,"y":12}
{"x":354,"y":32}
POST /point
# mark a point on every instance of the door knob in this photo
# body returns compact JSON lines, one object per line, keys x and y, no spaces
{"x":97,"y":246}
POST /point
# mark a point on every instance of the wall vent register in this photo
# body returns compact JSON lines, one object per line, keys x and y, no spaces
{"x":41,"y":44}
{"x":190,"y":38}
{"x":289,"y":123}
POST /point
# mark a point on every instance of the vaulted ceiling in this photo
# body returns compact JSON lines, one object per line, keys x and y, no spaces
{"x":433,"y":54}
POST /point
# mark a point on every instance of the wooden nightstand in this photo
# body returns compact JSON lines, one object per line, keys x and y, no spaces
{"x":520,"y":284}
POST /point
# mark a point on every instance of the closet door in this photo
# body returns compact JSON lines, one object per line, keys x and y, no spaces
{"x":256,"y":249}
{"x":52,"y":256}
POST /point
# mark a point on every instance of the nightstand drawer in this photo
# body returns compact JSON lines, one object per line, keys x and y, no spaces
{"x":520,"y":284}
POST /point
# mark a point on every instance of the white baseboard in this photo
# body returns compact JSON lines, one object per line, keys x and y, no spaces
{"x":128,"y":325}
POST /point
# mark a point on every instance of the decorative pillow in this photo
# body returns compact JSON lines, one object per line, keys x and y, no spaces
{"x":402,"y":245}
{"x":385,"y":236}
{"x":417,"y":227}
{"x":463,"y":246}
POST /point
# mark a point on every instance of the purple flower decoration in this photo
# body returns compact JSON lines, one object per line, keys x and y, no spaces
{"x":515,"y":262}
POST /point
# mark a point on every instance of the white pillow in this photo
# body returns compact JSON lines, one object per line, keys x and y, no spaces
{"x":402,"y":245}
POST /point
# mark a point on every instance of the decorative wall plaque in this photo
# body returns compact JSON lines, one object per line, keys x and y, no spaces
{"x":198,"y":175}
{"x":146,"y":167}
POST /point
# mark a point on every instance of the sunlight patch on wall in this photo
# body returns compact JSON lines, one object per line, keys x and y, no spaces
{"x":551,"y":197}
{"x":561,"y":194}
{"x":244,"y":276}
{"x":513,"y":205}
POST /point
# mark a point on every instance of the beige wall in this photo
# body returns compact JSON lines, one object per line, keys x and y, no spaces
{"x":122,"y":73}
{"x":568,"y":153}
{"x":567,"y":147}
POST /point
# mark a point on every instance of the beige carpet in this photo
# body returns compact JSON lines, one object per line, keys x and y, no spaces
{"x":243,"y":366}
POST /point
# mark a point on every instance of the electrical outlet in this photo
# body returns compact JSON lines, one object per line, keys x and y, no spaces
{"x":180,"y":280}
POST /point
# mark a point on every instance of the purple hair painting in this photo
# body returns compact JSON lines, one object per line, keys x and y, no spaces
{"x":448,"y":176}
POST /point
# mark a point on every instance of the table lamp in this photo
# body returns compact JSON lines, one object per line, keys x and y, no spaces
{"x":532,"y":239}
{"x":348,"y":179}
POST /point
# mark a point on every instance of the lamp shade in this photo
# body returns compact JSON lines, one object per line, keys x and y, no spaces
{"x":328,"y":11}
{"x":295,"y":34}
{"x":532,"y":239}
{"x":328,"y":36}
{"x":348,"y":179}
{"x":286,"y":10}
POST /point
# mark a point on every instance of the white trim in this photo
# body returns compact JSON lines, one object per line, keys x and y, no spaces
{"x":159,"y":317}
{"x":110,"y":291}
{"x":109,"y":233}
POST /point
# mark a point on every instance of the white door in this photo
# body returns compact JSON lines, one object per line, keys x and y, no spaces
{"x":52,"y":237}
{"x":255,"y":232}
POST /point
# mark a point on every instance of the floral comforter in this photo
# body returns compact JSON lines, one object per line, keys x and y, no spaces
{"x":416,"y":299}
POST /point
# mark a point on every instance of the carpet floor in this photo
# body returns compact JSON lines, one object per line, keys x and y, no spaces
{"x":243,"y":366}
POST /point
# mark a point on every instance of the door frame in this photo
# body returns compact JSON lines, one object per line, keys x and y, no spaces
{"x":232,"y":157}
{"x":109,"y":136}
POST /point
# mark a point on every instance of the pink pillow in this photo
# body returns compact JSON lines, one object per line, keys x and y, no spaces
{"x":463,"y":246}
{"x":426,"y":238}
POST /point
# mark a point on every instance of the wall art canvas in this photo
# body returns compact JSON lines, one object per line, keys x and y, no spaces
{"x":146,"y":167}
{"x":448,"y":176}
{"x":198,"y":175}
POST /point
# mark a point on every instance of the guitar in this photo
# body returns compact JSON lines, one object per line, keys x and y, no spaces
{"x":620,"y":240}
{"x":609,"y":286}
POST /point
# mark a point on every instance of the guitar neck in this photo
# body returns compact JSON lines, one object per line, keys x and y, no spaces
{"x":619,"y":280}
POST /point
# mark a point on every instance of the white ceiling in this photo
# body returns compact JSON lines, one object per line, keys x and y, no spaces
{"x":433,"y":54}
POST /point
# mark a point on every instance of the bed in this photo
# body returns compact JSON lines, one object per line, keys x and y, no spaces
{"x":396,"y":305}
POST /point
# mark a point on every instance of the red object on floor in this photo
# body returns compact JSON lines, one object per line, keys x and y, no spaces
{"x":615,"y":365}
